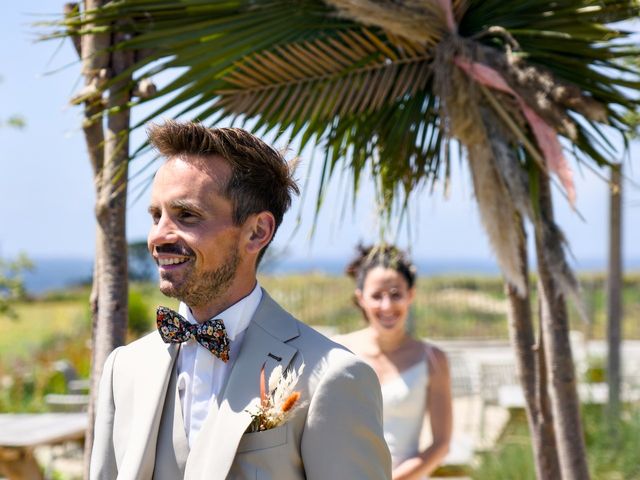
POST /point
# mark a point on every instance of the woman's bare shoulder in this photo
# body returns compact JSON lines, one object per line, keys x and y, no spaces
{"x":352,"y":340}
{"x":436,"y":359}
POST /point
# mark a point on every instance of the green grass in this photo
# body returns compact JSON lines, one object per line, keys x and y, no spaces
{"x":57,"y":326}
{"x":610,"y":457}
{"x":445,"y":307}
{"x":37,"y":324}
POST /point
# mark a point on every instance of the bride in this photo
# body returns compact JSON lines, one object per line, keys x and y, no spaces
{"x":414,"y":375}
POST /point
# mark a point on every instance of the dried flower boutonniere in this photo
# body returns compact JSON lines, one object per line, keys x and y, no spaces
{"x":278,"y":399}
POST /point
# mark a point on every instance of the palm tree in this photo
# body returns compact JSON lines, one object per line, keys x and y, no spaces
{"x":392,"y":86}
{"x":105,"y":98}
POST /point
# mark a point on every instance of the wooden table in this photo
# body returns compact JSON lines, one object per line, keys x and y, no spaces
{"x":20,"y":433}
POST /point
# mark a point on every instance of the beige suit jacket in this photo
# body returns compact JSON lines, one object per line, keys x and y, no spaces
{"x":337,"y":434}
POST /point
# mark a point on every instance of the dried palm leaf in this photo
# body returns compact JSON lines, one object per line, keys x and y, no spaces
{"x":499,"y":217}
{"x":422,"y":21}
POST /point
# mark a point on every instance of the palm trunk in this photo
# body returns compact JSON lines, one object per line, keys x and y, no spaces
{"x":112,"y":298}
{"x":93,"y":391}
{"x":614,"y":293}
{"x":94,"y":62}
{"x":109,"y":155}
{"x":532,"y":375}
{"x":559,"y":361}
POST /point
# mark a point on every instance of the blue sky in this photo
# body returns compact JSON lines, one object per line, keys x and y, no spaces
{"x":47,"y":193}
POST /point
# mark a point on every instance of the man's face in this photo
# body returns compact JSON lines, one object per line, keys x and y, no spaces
{"x":193,"y":238}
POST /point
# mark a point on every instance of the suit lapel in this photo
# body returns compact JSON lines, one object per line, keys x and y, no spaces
{"x":155,"y":370}
{"x":263,"y":344}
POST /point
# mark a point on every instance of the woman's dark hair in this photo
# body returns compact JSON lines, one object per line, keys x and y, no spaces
{"x":383,"y":255}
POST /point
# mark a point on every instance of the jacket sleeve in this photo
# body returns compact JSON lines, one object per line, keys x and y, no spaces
{"x":343,"y":436}
{"x":103,"y":460}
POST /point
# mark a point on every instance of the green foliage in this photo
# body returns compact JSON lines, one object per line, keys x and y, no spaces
{"x":140,"y":319}
{"x":14,"y":121}
{"x":596,"y":370}
{"x":39,"y":323}
{"x":141,"y":265}
{"x":364,"y":96}
{"x":12,"y":283}
{"x":613,"y":456}
{"x":42,"y":335}
{"x":507,"y":462}
{"x":610,"y":457}
{"x":56,"y":383}
{"x":444,"y":307}
{"x":58,"y":326}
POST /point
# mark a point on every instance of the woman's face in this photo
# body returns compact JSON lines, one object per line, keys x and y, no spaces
{"x":385,"y":299}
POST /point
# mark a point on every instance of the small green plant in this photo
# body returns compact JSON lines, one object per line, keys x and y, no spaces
{"x":140,"y":319}
{"x":596,"y":370}
{"x":12,"y":283}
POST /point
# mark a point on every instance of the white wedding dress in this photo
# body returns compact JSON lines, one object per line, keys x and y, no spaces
{"x":404,"y":401}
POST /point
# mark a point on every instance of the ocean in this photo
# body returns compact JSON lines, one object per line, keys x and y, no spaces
{"x":57,"y":273}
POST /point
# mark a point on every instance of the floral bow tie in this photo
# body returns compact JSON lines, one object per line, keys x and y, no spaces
{"x":211,"y":334}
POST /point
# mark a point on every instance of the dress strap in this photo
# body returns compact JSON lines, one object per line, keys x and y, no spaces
{"x":431,"y":358}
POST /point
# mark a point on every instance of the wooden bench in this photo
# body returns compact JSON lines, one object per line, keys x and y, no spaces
{"x":20,"y":433}
{"x":67,"y":402}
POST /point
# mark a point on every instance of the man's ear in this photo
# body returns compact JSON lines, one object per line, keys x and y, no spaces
{"x":258,"y":231}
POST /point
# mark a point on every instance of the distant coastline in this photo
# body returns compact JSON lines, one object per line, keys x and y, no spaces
{"x":58,"y":273}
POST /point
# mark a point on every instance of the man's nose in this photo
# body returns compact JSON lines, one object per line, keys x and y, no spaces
{"x":162,"y":232}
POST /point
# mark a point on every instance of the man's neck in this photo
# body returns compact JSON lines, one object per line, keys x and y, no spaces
{"x":202,"y":313}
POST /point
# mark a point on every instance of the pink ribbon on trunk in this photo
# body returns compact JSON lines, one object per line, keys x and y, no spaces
{"x":545,"y":136}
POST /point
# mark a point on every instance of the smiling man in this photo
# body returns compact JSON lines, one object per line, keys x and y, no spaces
{"x":191,"y":400}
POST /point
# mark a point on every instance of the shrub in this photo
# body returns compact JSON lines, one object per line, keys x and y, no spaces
{"x":140,"y":319}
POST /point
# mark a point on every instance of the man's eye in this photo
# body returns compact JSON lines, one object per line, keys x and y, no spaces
{"x":188,"y":216}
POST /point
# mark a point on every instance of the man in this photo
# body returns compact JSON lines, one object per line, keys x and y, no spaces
{"x":180,"y":410}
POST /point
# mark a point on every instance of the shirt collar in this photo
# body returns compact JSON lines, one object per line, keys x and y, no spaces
{"x":237,"y":317}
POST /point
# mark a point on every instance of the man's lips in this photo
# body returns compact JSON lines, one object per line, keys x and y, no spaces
{"x":171,"y":255}
{"x":171,"y":261}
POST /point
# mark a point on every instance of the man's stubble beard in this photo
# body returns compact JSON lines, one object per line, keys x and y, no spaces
{"x":199,"y":288}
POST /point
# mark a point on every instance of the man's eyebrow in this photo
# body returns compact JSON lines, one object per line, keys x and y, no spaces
{"x":177,"y":205}
{"x":185,"y":205}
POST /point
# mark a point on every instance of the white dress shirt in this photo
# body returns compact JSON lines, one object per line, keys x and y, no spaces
{"x":201,"y":374}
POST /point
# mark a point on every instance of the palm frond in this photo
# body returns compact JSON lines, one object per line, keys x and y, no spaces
{"x":342,"y":75}
{"x":364,"y":93}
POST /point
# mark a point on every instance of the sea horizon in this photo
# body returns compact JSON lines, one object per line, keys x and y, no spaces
{"x":54,"y":273}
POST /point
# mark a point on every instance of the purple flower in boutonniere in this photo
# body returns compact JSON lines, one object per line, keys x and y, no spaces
{"x":278,"y":399}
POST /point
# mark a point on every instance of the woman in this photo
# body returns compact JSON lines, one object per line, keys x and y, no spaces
{"x":414,"y":375}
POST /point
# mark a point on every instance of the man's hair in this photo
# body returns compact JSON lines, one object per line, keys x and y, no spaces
{"x":261,"y":179}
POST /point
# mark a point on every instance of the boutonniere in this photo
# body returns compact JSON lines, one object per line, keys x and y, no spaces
{"x":278,"y":399}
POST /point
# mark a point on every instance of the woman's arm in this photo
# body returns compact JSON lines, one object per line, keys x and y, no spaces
{"x":440,"y":411}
